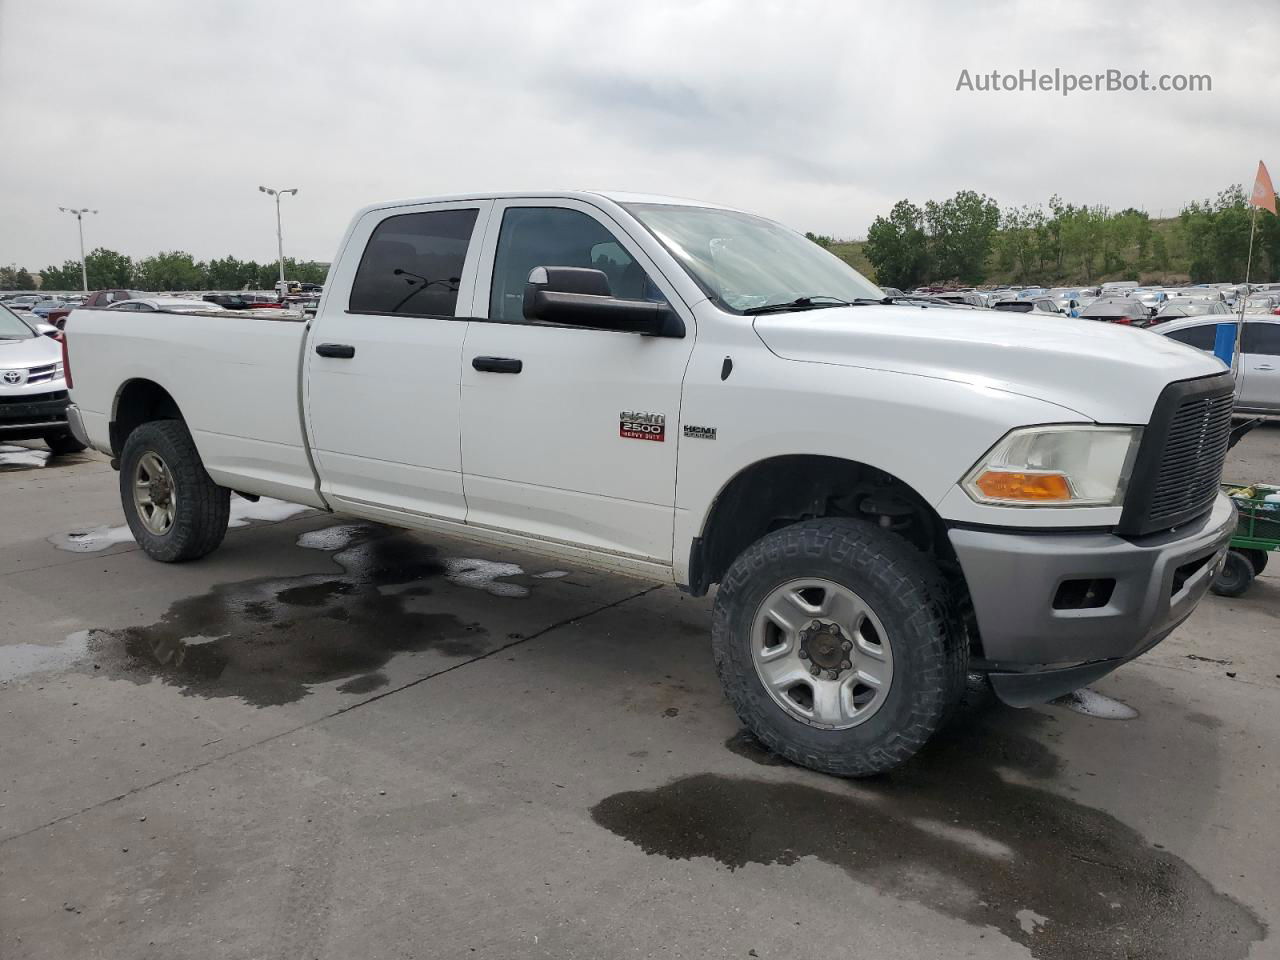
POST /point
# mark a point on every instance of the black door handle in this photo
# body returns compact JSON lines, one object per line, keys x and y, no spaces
{"x":339,"y":351}
{"x":497,"y":364}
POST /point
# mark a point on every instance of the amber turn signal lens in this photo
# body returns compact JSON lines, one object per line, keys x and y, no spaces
{"x":1026,"y":487}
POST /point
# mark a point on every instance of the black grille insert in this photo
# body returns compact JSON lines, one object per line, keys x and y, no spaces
{"x":1179,"y":466}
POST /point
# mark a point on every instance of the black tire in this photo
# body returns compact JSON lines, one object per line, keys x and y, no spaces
{"x":61,"y":444}
{"x":908,"y":596}
{"x":202,"y":507}
{"x":1257,"y":560}
{"x":1235,"y":577}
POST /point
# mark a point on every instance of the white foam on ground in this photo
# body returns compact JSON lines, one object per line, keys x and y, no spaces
{"x":483,"y":575}
{"x":1030,"y":921}
{"x":92,"y":540}
{"x":22,"y":457}
{"x":1093,"y":704}
{"x":23,"y":659}
{"x":242,"y":513}
{"x":551,"y":575}
{"x":268,"y":510}
{"x":331,"y":539}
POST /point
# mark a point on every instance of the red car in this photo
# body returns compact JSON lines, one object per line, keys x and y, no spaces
{"x":99,"y":300}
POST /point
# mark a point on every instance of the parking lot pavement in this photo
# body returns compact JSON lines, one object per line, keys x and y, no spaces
{"x":338,"y":740}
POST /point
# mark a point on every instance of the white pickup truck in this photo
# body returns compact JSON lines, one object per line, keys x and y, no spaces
{"x":890,"y":497}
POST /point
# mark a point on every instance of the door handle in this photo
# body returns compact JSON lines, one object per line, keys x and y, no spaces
{"x":339,"y":351}
{"x":1264,"y":366}
{"x":497,"y":364}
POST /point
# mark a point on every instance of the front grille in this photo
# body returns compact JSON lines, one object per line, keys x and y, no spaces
{"x":44,"y":374}
{"x":1179,"y":466}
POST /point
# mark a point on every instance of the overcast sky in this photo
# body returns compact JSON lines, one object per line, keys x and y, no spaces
{"x":166,"y":115}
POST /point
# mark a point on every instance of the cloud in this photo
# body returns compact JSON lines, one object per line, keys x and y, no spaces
{"x":167,"y":115}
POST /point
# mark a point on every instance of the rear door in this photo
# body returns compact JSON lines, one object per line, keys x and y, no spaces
{"x":579,"y":445}
{"x":382,"y":363}
{"x":1260,"y":366}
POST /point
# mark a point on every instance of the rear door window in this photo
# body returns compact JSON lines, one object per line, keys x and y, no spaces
{"x":1201,"y":337}
{"x":412,"y":264}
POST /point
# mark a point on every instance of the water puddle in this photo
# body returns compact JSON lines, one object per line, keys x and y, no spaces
{"x":268,"y":641}
{"x":963,"y":829}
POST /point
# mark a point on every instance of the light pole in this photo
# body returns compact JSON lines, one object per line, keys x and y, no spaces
{"x":279,"y":233}
{"x":79,"y":213}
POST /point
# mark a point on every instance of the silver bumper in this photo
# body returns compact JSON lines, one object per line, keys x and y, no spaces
{"x":1034,"y":641}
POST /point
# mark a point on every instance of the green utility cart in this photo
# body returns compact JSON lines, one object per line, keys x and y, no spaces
{"x":1257,"y":534}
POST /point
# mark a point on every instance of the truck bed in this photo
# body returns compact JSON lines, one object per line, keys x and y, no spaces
{"x":235,"y":375}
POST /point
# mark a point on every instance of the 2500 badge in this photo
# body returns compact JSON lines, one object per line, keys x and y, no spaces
{"x":642,"y":426}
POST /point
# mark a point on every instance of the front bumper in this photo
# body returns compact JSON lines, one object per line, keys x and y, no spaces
{"x":33,"y":415}
{"x":1039,"y":642}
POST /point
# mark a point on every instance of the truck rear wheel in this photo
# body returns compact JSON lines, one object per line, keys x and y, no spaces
{"x":176,"y":512}
{"x":834,"y":643}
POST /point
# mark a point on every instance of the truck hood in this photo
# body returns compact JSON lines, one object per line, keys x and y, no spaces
{"x":1102,"y":371}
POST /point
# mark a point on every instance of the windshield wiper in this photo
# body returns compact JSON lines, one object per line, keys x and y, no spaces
{"x":813,"y":302}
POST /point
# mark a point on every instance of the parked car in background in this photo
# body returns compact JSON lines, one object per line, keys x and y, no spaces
{"x":24,"y":302}
{"x":33,"y":389}
{"x":1184,"y":307}
{"x":98,"y":300}
{"x":1258,"y":373}
{"x":46,"y":307}
{"x":165,"y":305}
{"x":229,"y":301}
{"x":1123,"y":310}
{"x":1151,"y":299}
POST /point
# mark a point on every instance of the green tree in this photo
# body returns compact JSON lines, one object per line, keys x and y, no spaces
{"x":897,"y":248}
{"x":108,"y":269}
{"x":172,"y":270}
{"x":820,"y":239}
{"x":16,"y":278}
{"x":65,"y":277}
{"x":1019,"y":243}
{"x":229,"y":273}
{"x":961,"y":231}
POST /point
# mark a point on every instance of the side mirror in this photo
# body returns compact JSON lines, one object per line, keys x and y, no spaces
{"x":582,"y":297}
{"x":46,"y":329}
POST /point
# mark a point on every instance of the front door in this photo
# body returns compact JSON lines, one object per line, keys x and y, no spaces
{"x":579,"y":445}
{"x":383,"y":365}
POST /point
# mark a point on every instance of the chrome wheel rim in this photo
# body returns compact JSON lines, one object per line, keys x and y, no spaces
{"x":821,"y":653}
{"x":154,"y":495}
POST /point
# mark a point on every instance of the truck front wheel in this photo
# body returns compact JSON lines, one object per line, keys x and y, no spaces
{"x":175,"y":511}
{"x":835,"y":644}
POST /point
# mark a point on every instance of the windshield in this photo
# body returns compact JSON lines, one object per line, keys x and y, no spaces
{"x":12,"y":327}
{"x":744,"y":262}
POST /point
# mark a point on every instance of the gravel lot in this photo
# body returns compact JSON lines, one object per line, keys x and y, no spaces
{"x":338,"y":740}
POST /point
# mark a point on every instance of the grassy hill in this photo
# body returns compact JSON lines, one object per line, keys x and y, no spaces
{"x":1169,"y":229}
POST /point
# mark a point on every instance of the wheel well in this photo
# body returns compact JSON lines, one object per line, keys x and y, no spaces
{"x":781,"y":491}
{"x":139,"y":402}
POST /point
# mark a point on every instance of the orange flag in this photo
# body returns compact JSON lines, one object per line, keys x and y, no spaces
{"x":1264,"y":194}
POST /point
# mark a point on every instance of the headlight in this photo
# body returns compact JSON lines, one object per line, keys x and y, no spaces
{"x":1065,"y":466}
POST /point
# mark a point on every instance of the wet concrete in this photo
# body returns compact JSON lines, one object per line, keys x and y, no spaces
{"x":964,"y":829}
{"x":267,"y":641}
